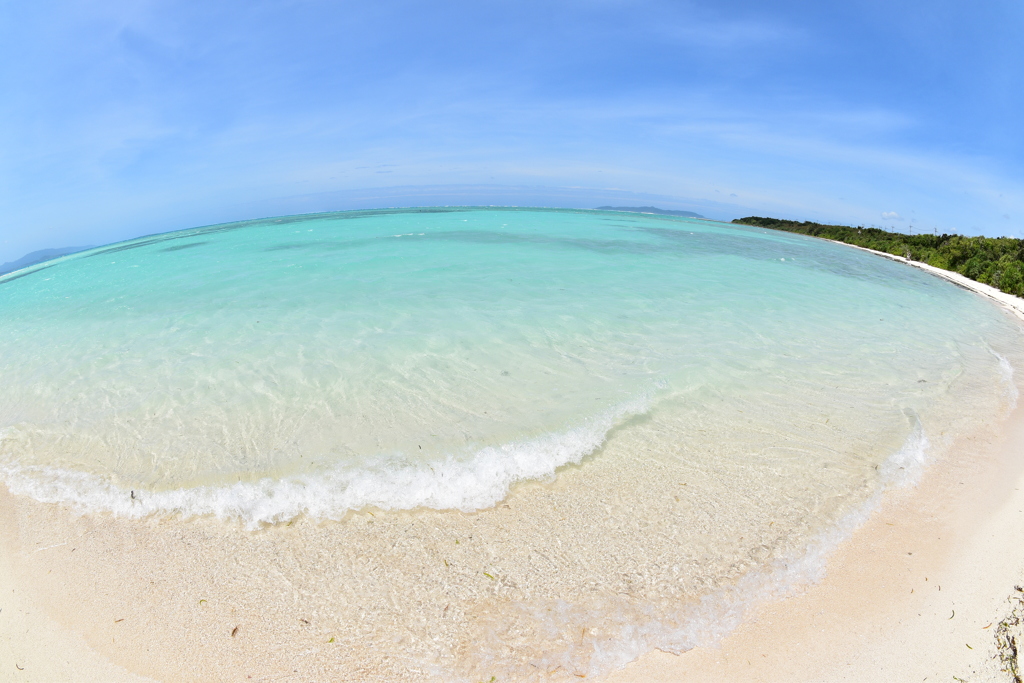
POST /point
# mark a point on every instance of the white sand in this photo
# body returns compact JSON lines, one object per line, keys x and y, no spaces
{"x":1011,"y":302}
{"x":100,"y":614}
{"x":916,"y":594}
{"x":34,"y":647}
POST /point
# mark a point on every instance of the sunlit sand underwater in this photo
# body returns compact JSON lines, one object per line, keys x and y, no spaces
{"x":543,"y":442}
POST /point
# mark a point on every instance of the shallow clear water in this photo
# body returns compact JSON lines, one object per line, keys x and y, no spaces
{"x":733,"y":394}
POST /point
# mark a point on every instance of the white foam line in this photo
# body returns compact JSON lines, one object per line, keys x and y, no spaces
{"x":630,"y":631}
{"x":1014,"y":303}
{"x":467,"y":485}
{"x":1006,"y":372}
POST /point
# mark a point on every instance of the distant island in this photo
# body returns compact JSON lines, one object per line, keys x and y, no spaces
{"x":38,"y":257}
{"x":650,"y":209}
{"x":994,"y":261}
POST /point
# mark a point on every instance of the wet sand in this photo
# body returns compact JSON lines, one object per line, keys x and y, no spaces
{"x":917,"y":592}
{"x":1012,"y":303}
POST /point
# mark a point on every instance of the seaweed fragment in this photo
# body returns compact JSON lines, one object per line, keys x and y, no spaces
{"x":1008,"y":634}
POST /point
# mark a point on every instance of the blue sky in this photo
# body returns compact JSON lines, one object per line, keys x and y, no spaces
{"x":125,"y":118}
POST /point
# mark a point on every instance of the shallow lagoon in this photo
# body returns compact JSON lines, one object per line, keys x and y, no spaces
{"x":659,"y":419}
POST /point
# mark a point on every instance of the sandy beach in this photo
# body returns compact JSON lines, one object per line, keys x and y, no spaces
{"x":918,"y":592}
{"x":511,"y":342}
{"x":1012,"y":303}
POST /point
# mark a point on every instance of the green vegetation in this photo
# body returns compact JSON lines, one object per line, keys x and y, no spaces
{"x":995,"y":261}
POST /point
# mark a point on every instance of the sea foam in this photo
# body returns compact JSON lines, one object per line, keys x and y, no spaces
{"x":467,"y":485}
{"x":1006,"y":374}
{"x":594,"y":639}
{"x":209,"y":368}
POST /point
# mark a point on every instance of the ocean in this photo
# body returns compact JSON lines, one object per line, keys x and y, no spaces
{"x":568,"y":437}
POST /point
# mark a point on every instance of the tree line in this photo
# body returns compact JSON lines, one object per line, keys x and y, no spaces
{"x":995,"y":261}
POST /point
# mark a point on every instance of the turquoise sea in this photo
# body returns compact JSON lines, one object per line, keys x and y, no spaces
{"x":720,"y":405}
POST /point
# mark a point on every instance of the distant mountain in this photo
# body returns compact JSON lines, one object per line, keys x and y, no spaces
{"x":650,"y":209}
{"x":38,"y":257}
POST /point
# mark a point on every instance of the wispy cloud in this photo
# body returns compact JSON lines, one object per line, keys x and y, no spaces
{"x":127,"y":116}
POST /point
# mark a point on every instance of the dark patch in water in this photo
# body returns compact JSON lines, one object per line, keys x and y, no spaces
{"x":590,"y":244}
{"x":678,"y":242}
{"x":321,"y":245}
{"x":185,"y":246}
{"x":168,"y":237}
{"x":287,"y":247}
{"x":12,"y":278}
{"x":285,"y":220}
{"x":799,"y":251}
{"x":346,"y":215}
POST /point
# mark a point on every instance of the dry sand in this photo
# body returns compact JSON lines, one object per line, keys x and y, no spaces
{"x":35,"y":647}
{"x":917,"y":594}
{"x":1013,"y":303}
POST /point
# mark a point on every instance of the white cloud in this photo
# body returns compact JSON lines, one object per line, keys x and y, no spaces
{"x":891,"y":216}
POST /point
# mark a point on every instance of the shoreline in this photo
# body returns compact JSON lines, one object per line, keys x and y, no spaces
{"x":880,"y":612}
{"x":1012,"y":303}
{"x":963,"y":520}
{"x":917,"y":593}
